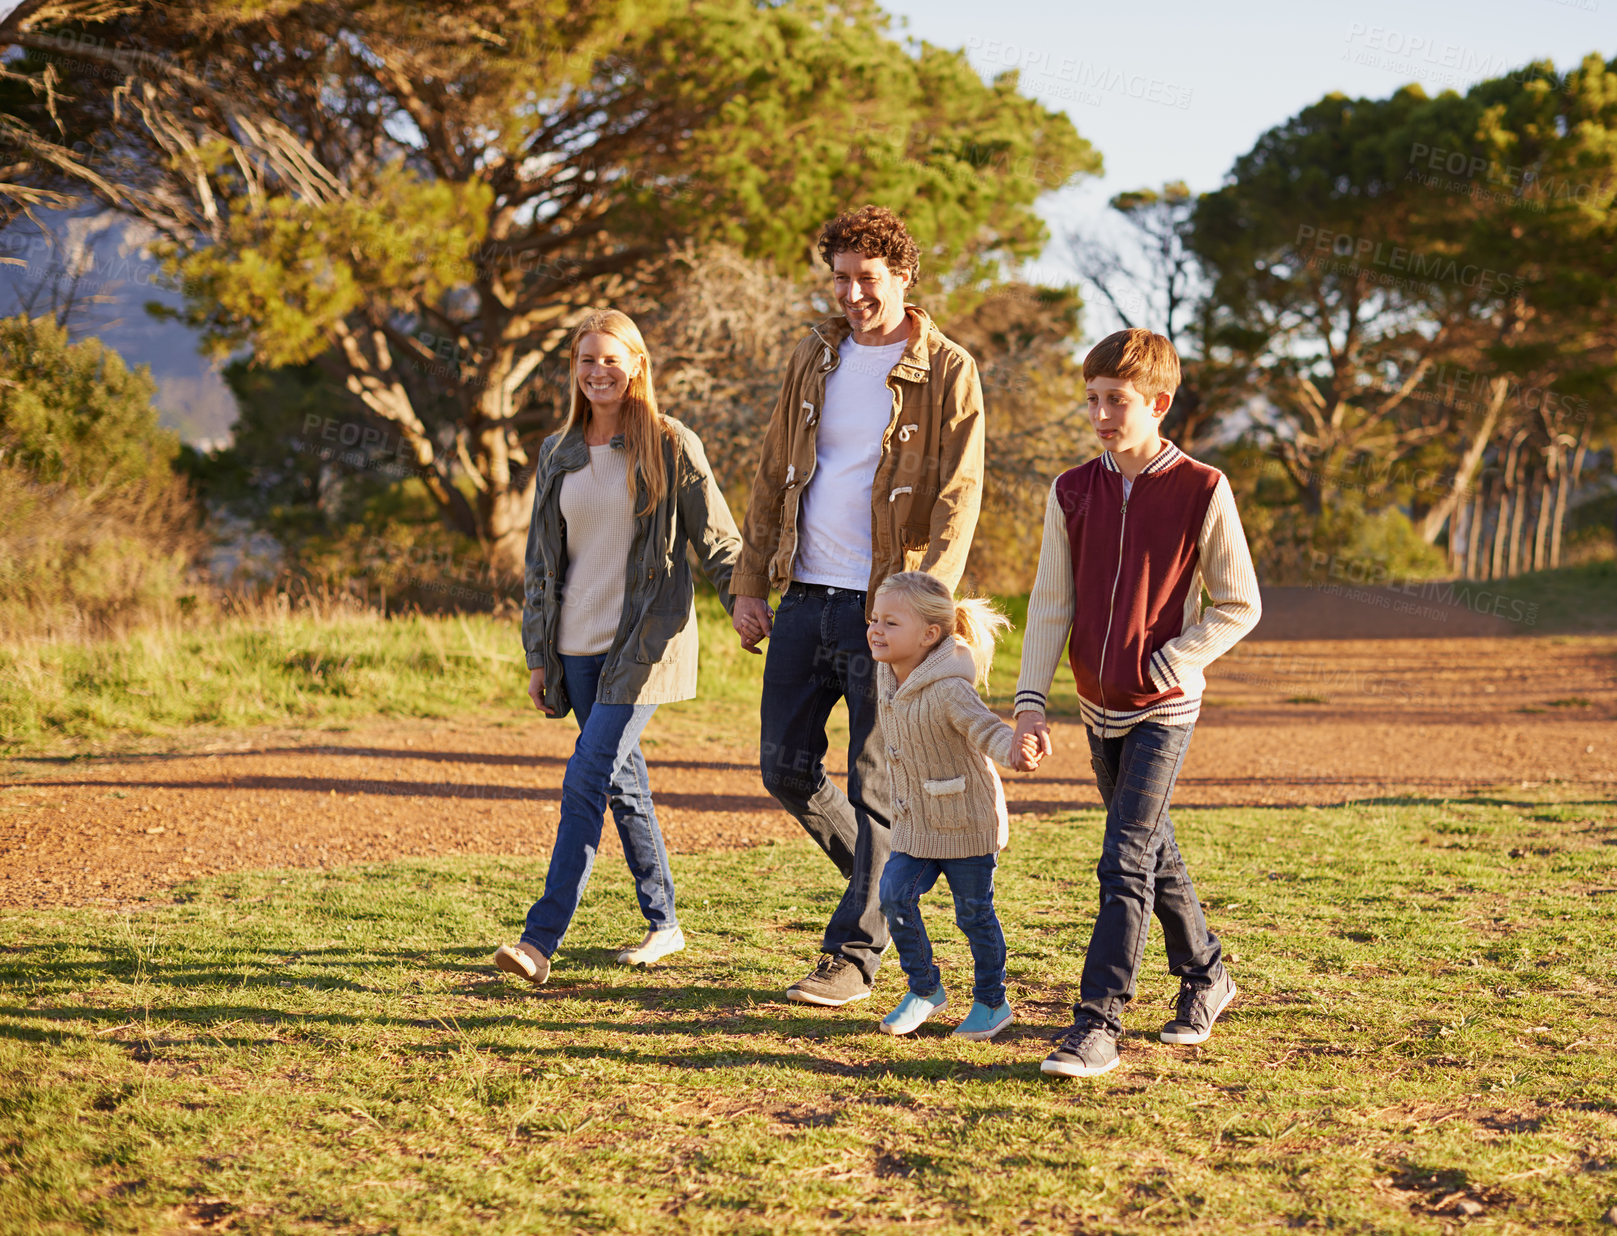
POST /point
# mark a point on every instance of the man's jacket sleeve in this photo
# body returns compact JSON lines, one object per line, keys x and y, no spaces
{"x":960,"y":476}
{"x":760,"y":533}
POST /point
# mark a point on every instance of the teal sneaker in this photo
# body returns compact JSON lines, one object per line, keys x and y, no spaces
{"x":983,"y":1022}
{"x":912,"y":1010}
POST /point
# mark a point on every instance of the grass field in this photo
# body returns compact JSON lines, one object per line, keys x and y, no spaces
{"x":326,"y":669}
{"x":1423,"y":1040}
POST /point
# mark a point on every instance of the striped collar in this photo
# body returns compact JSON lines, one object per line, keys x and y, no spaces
{"x":1165,"y":459}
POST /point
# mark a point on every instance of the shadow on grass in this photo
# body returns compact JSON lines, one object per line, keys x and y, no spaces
{"x":416,"y":789}
{"x":502,"y":759}
{"x":730,"y":1055}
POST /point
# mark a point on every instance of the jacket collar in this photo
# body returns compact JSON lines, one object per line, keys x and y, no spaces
{"x":950,"y":659}
{"x":1166,"y":458}
{"x":916,"y":363}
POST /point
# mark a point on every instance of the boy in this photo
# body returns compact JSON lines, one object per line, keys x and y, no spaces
{"x":1130,"y":541}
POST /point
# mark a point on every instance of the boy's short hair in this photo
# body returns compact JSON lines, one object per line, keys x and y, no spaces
{"x":874,"y":232}
{"x":1138,"y":356}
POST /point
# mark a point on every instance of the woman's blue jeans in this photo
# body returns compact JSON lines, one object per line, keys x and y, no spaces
{"x":606,"y":768}
{"x":905,"y":880}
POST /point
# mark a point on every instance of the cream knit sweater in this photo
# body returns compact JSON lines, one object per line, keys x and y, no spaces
{"x":942,"y":743}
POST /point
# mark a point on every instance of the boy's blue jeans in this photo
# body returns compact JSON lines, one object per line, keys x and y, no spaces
{"x":606,"y":767}
{"x":1141,"y":873}
{"x":906,"y":880}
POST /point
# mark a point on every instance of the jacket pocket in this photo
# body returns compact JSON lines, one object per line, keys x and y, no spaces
{"x":658,"y":629}
{"x":942,"y":787}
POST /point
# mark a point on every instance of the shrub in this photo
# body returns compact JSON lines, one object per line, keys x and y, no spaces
{"x":97,"y":534}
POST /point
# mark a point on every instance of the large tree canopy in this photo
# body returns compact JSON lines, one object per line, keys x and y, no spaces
{"x":423,"y":195}
{"x":1417,"y":288}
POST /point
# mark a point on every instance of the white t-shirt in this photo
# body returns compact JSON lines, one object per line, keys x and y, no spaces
{"x":833,"y":522}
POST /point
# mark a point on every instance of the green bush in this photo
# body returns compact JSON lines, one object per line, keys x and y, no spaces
{"x":1388,"y":539}
{"x":97,"y":534}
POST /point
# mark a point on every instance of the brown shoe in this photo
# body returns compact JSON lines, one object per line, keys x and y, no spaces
{"x":524,"y":961}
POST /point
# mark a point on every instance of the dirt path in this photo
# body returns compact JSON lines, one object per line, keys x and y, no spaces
{"x":1287,"y":721}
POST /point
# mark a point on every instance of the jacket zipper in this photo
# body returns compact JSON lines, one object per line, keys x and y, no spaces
{"x":1111,"y":607}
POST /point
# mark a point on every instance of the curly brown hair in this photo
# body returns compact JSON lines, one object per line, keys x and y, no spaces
{"x":873,"y":231}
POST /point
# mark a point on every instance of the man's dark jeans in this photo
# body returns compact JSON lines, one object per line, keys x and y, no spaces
{"x":1141,"y":873}
{"x":818,"y":655}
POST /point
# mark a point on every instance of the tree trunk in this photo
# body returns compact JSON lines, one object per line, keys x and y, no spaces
{"x":1501,"y":531}
{"x":1473,"y":533}
{"x":1466,"y":470}
{"x":1541,"y":528}
{"x":1459,"y":528}
{"x":1524,"y":493}
{"x":1507,"y":491}
{"x":1564,"y":487}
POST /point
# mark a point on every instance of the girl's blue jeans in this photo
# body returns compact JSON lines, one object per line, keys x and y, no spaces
{"x":606,"y":768}
{"x":906,"y":879}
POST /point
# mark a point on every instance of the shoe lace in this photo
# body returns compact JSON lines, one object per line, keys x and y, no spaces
{"x":1078,"y":1038}
{"x":1192,"y":1004}
{"x":830,"y":964}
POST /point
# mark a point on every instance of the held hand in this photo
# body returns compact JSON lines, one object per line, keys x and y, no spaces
{"x":753,"y":620}
{"x":1032,"y":735}
{"x":536,"y":692}
{"x":1028,"y":754}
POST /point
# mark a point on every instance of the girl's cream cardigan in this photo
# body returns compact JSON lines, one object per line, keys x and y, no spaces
{"x":941,"y":739}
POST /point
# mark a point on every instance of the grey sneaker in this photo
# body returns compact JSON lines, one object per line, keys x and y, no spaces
{"x":1088,"y":1049}
{"x":835,"y":981}
{"x":524,"y":961}
{"x":1198,"y":1009}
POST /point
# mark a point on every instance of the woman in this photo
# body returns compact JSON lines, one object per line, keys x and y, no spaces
{"x":608,"y":625}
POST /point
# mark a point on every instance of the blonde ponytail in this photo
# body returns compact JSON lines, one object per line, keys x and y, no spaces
{"x":977,"y":624}
{"x":975,"y":621}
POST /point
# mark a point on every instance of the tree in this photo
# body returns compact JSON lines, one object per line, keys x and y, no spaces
{"x":423,"y":196}
{"x":1334,"y":298}
{"x":1155,"y":281}
{"x":1421,"y":291}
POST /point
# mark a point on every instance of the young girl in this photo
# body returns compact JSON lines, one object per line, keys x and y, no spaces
{"x":607,"y":625}
{"x":948,"y":804}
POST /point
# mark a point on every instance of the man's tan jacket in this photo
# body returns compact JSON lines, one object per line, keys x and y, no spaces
{"x":929,"y":480}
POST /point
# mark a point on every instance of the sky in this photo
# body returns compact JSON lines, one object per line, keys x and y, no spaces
{"x":1170,"y":90}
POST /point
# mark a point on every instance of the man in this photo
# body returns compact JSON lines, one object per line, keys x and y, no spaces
{"x":872,"y":464}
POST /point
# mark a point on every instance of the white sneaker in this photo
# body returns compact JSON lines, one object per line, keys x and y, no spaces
{"x":524,"y":961}
{"x":656,"y":946}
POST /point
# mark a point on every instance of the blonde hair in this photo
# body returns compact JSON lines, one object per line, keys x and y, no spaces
{"x":645,"y":429}
{"x":975,"y":621}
